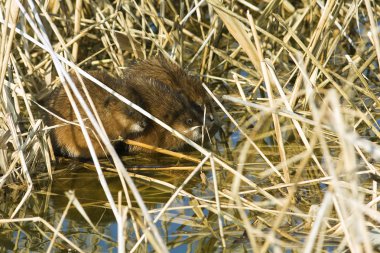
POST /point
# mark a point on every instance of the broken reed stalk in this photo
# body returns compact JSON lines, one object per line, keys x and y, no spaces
{"x":163,"y":151}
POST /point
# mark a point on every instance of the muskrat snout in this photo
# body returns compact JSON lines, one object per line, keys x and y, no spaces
{"x":194,"y":133}
{"x":192,"y":127}
{"x":138,"y":127}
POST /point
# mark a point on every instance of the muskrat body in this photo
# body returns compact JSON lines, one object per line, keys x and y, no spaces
{"x":150,"y":85}
{"x":119,"y":119}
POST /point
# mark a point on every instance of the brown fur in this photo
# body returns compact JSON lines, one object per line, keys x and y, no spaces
{"x":174,"y":76}
{"x":168,"y":105}
{"x":157,"y":85}
{"x":117,"y":117}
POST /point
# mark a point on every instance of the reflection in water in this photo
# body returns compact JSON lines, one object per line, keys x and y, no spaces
{"x":180,"y":227}
{"x":189,"y":225}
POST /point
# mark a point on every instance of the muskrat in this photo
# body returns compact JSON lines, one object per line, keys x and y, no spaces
{"x":171,"y":74}
{"x":119,"y":119}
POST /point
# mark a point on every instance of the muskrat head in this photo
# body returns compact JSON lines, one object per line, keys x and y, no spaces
{"x":202,"y":108}
{"x":192,"y":88}
{"x":189,"y":124}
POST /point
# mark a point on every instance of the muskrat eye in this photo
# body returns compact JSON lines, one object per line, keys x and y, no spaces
{"x":189,"y":121}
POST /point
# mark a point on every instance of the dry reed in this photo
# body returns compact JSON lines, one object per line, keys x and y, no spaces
{"x":295,"y":85}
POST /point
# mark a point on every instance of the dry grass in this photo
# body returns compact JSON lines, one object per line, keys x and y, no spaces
{"x":296,"y":82}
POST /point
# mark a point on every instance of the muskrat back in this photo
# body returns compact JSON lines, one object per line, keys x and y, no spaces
{"x":171,"y":74}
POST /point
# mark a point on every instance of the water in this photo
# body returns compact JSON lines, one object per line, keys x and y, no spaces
{"x":48,"y":201}
{"x":183,"y":228}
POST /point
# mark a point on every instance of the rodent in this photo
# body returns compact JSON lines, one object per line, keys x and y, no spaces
{"x":157,"y":85}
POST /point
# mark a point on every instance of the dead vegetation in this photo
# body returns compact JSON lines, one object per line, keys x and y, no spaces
{"x":296,"y":86}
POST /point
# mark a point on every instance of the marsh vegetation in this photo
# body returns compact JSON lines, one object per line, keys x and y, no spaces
{"x":295,"y":168}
